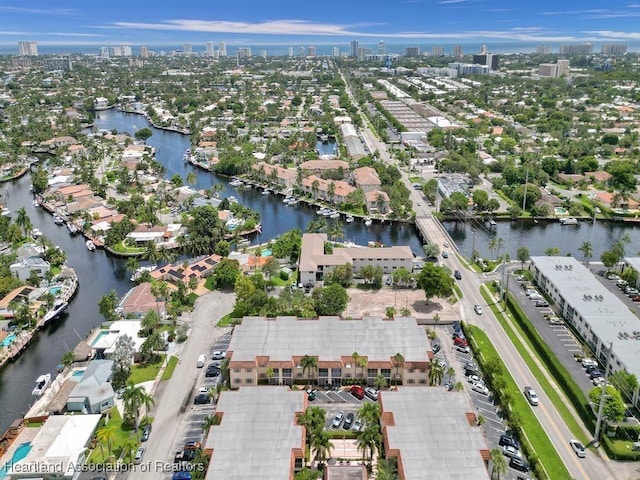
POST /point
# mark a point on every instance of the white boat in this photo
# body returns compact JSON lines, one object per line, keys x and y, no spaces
{"x":57,"y":309}
{"x":367,"y":221}
{"x":266,"y":191}
{"x":349,"y":219}
{"x":294,"y":201}
{"x":569,"y":221}
{"x":36,"y":233}
{"x":5,"y":212}
{"x":232,"y":199}
{"x":90,"y":245}
{"x":235,"y":182}
{"x":35,"y":203}
{"x":287,"y":200}
{"x":72,"y":228}
{"x":321,"y":211}
{"x":58,"y":220}
{"x":334,"y":215}
{"x":140,"y":270}
{"x":42,"y":382}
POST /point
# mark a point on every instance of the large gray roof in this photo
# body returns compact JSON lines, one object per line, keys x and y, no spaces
{"x":606,"y":314}
{"x":329,"y":338}
{"x":256,"y":435}
{"x":433,"y":435}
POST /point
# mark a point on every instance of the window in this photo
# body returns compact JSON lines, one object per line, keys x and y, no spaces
{"x":237,"y":380}
{"x":286,"y":372}
{"x":237,"y":370}
{"x":299,"y":375}
{"x":372,"y":372}
{"x":263,"y":375}
{"x":298,"y":463}
{"x":423,"y":381}
{"x":336,"y":372}
{"x":386,"y":372}
{"x":248,"y":380}
{"x":323,"y":373}
{"x":248,"y":370}
{"x":411,"y":381}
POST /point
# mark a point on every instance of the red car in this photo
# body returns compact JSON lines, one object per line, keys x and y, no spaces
{"x":635,"y":298}
{"x":357,"y":391}
{"x":461,"y":342}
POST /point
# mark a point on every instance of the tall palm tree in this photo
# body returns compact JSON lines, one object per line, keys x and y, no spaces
{"x":22,"y":219}
{"x":315,"y":187}
{"x":132,"y":264}
{"x":270,"y":373}
{"x":368,"y":440}
{"x":151,"y":252}
{"x":398,"y":361}
{"x":133,"y":398}
{"x":356,"y":357}
{"x":322,"y":445}
{"x":209,"y":421}
{"x":499,"y":463}
{"x":363,"y":363}
{"x":369,"y":413}
{"x":309,"y":364}
{"x":436,"y":373}
{"x":587,"y":252}
{"x":104,"y":435}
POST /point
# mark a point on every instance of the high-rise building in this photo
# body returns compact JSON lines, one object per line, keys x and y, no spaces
{"x":543,"y":50}
{"x":263,"y":54}
{"x":291,"y":51}
{"x":27,"y":49}
{"x":209,"y":50}
{"x":222,"y":49}
{"x":457,"y":51}
{"x":63,"y":64}
{"x":412,"y":52}
{"x":437,"y":51}
{"x":362,"y":52}
{"x":335,"y":52}
{"x":484,"y":50}
{"x":144,"y":52}
{"x":187,"y":49}
{"x":563,"y":67}
{"x":613,"y":49}
{"x":582,"y":49}
{"x":311,"y":51}
{"x":302,"y":51}
{"x":488,"y":59}
{"x":104,"y":52}
{"x":554,"y":70}
{"x":354,"y":49}
{"x":382,"y":49}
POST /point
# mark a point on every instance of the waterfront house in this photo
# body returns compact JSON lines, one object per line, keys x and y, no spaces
{"x":100,"y":103}
{"x":16,"y":295}
{"x":157,"y":234}
{"x":377,"y":201}
{"x":367,"y":179}
{"x":318,"y":167}
{"x":286,"y":177}
{"x":93,"y":393}
{"x":139,"y":300}
{"x":104,"y":342}
{"x":321,"y":189}
{"x":23,"y":268}
{"x":199,"y":268}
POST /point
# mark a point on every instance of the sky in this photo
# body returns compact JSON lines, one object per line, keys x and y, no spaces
{"x":300,"y":22}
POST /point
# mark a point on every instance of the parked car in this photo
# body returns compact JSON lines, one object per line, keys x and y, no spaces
{"x":519,"y":464}
{"x":596,"y":373}
{"x":348,"y":421}
{"x":192,"y":445}
{"x":507,"y":439}
{"x":219,"y":355}
{"x":578,"y":448}
{"x":589,"y":362}
{"x":478,"y":309}
{"x":598,"y":381}
{"x":212,"y":371}
{"x":445,"y":254}
{"x":446,"y":244}
{"x":591,"y":368}
{"x":480,"y":387}
{"x":202,"y":399}
{"x":542,"y":303}
{"x":181,"y":476}
{"x":457,"y":275}
{"x":146,"y":431}
{"x":531,"y":395}
{"x":448,"y":386}
{"x":337,"y":420}
{"x":202,"y":359}
{"x":371,"y":392}
{"x":462,"y":349}
{"x":612,"y":276}
{"x":435,"y":347}
{"x":357,"y":425}
{"x":635,"y":298}
{"x":461,"y":342}
{"x":137,"y":460}
{"x":510,"y":451}
{"x":357,"y":391}
{"x":185,"y":456}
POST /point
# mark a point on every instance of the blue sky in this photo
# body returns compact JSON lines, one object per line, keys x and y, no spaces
{"x":255,"y":22}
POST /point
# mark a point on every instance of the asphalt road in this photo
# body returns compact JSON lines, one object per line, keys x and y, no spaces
{"x":176,"y":399}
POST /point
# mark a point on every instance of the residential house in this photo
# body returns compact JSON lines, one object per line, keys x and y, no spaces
{"x":367,"y":179}
{"x":285,"y":177}
{"x":25,"y":266}
{"x":93,"y":393}
{"x":318,"y":167}
{"x":199,"y":268}
{"x":321,"y":189}
{"x":139,"y":300}
{"x":377,"y":201}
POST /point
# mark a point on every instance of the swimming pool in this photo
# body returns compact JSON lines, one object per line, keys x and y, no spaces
{"x":8,"y":340}
{"x":21,"y":452}
{"x":78,"y":373}
{"x":266,"y":252}
{"x":55,"y":290}
{"x":100,"y":335}
{"x":560,"y":210}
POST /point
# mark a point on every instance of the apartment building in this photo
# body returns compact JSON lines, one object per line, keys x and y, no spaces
{"x":271,"y":351}
{"x":314,"y":263}
{"x":595,"y":313}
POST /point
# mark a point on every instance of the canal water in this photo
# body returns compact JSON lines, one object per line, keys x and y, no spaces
{"x":99,"y":273}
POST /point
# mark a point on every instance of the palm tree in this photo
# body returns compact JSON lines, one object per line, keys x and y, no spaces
{"x":380,"y":382}
{"x":22,"y":219}
{"x":499,"y":463}
{"x":309,"y":364}
{"x":270,"y":373}
{"x":315,"y":187}
{"x":209,"y":421}
{"x":331,"y":191}
{"x":104,"y":435}
{"x":436,"y":373}
{"x":587,"y":251}
{"x":368,"y":440}
{"x":369,"y":413}
{"x":398,"y":361}
{"x":132,"y":264}
{"x":133,"y":398}
{"x":130,"y":448}
{"x":390,"y":311}
{"x":363,"y":362}
{"x":322,"y":445}
{"x":151,"y":253}
{"x":356,"y":357}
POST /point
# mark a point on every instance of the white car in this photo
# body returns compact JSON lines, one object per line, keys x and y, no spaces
{"x":480,"y":388}
{"x":446,"y":244}
{"x":511,"y":451}
{"x":218,"y":355}
{"x":531,"y":395}
{"x":589,"y":362}
{"x":474,"y":379}
{"x":478,"y":309}
{"x":337,"y":420}
{"x":578,"y":448}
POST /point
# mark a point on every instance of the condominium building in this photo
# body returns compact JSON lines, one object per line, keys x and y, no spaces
{"x":335,"y":52}
{"x":457,"y":51}
{"x":488,"y":59}
{"x":595,"y":313}
{"x":271,"y":351}
{"x":257,"y":434}
{"x":144,"y":52}
{"x":548,"y":70}
{"x":222,"y":49}
{"x":209,"y":49}
{"x":382,"y":49}
{"x":613,"y":49}
{"x":314,"y":263}
{"x":469,"y":68}
{"x":311,"y":51}
{"x":412,"y":52}
{"x":437,"y":51}
{"x":353,"y":52}
{"x":27,"y":49}
{"x":187,"y":49}
{"x":290,"y":51}
{"x":428,"y":429}
{"x":582,"y":49}
{"x":543,"y":50}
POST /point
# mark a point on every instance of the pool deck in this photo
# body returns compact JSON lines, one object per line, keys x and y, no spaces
{"x":26,"y":435}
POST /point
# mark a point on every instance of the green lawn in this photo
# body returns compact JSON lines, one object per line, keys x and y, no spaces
{"x":226,"y":320}
{"x":122,"y":248}
{"x":120,"y":438}
{"x":140,"y":374}
{"x":558,"y":402}
{"x":168,"y":372}
{"x":535,"y":435}
{"x":458,"y":291}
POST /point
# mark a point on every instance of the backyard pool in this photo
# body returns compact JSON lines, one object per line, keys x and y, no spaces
{"x":78,"y":373}
{"x":560,"y":211}
{"x":9,"y":339}
{"x":266,"y":252}
{"x":55,"y":290}
{"x":100,"y":335}
{"x":21,"y":452}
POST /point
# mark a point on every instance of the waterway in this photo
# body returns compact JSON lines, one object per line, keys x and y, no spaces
{"x":99,"y":273}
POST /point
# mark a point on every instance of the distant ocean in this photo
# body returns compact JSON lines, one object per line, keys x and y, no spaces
{"x":322,"y":50}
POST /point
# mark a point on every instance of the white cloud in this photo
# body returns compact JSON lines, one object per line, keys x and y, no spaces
{"x":446,"y":2}
{"x":609,"y":35}
{"x":39,"y":11}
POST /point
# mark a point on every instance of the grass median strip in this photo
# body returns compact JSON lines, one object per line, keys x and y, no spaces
{"x":512,"y":329}
{"x":543,"y":450}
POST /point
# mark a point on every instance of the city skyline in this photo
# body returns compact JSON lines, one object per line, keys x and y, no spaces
{"x":252,"y":22}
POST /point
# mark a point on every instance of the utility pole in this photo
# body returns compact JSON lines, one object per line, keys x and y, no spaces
{"x":603,"y":395}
